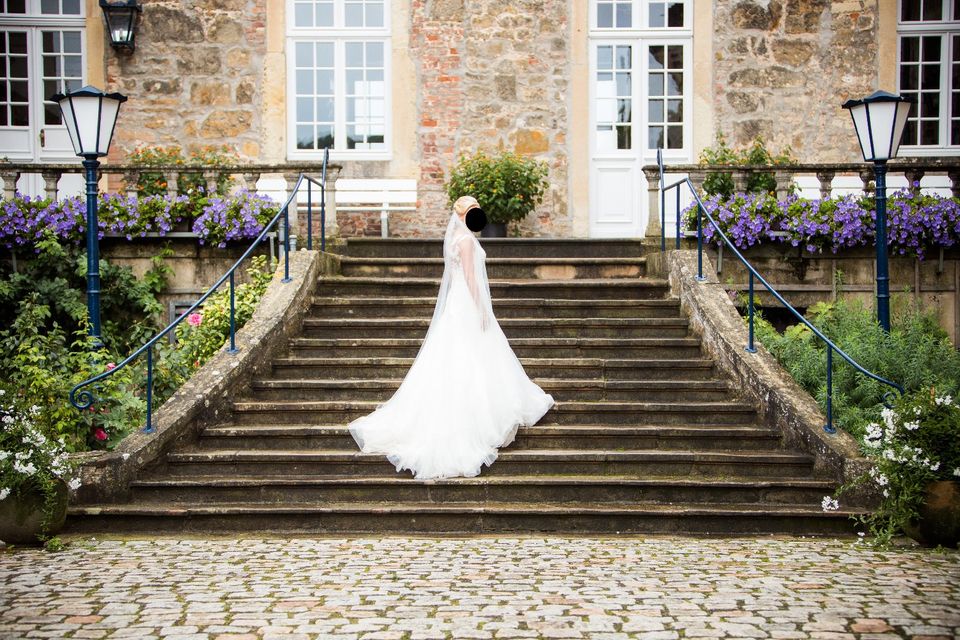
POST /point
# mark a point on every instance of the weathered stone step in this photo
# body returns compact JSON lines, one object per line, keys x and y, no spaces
{"x":581,"y":368}
{"x":636,"y":413}
{"x":707,"y":464}
{"x":522,"y":347}
{"x":422,"y":307}
{"x":500,"y":268}
{"x":512,"y":327}
{"x":380,"y":517}
{"x":497,"y":247}
{"x":593,"y":437}
{"x":585,"y":390}
{"x":590,"y":489}
{"x":637,"y":289}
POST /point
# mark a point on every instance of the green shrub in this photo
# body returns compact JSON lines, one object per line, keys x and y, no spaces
{"x":722,"y":184}
{"x":155,"y":183}
{"x":507,"y":186}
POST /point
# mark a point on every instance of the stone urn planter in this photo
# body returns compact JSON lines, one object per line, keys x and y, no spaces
{"x":21,"y":516}
{"x":939,"y":522}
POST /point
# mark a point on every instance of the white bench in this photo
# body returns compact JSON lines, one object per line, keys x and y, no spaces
{"x":383,"y":195}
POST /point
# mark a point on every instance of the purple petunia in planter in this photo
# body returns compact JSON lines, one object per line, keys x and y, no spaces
{"x":215,"y":219}
{"x":916,"y":223}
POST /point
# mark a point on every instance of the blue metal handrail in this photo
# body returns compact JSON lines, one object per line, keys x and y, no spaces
{"x":84,"y":399}
{"x":754,"y":275}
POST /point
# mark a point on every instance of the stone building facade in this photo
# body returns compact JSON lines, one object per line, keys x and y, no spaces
{"x":401,"y":88}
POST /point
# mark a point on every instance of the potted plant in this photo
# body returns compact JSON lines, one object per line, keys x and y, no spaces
{"x":916,"y":470}
{"x":507,"y":186}
{"x":35,"y":474}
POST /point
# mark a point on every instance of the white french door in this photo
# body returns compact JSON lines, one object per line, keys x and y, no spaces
{"x":42,"y":52}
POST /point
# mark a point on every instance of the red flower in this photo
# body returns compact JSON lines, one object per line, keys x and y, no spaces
{"x":111,"y":366}
{"x":100,"y":434}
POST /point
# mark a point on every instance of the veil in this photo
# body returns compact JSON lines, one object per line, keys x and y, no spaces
{"x":461,"y":249}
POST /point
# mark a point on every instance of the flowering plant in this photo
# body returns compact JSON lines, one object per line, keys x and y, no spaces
{"x":916,"y":223}
{"x":507,"y":186}
{"x":29,"y":461}
{"x":235,"y":218}
{"x":917,"y":443}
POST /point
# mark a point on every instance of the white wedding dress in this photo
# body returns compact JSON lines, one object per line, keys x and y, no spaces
{"x":466,"y":393}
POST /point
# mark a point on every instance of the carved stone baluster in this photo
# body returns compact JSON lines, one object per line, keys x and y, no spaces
{"x":211,"y":177}
{"x":250,"y":180}
{"x":784,"y":181}
{"x":131,"y":180}
{"x":826,"y":183}
{"x":740,"y":179}
{"x":50,"y":180}
{"x":914,"y":176}
{"x":10,"y":183}
{"x":172,"y":177}
{"x":698,"y":178}
{"x":653,"y":203}
{"x":954,"y":186}
{"x":867,"y":177}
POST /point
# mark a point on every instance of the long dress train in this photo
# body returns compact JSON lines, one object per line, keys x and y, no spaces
{"x":466,"y":393}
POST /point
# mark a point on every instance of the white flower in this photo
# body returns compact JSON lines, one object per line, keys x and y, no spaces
{"x":935,"y":466}
{"x":4,"y":455}
{"x":889,"y":455}
{"x":956,"y":472}
{"x":886,"y":494}
{"x":2,"y":392}
{"x":34,"y":409}
{"x":8,"y":419}
{"x":912,"y":426}
{"x":829,"y":504}
{"x":889,"y":415}
{"x":125,"y":456}
{"x":943,"y":400}
{"x":26,"y":469}
{"x":4,"y":492}
{"x":882,"y":480}
{"x":916,"y":411}
{"x":74,"y":484}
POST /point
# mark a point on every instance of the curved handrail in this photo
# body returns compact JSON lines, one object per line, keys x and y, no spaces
{"x":754,"y":274}
{"x":84,"y":399}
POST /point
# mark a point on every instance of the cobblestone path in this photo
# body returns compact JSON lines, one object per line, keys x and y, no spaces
{"x":478,"y":587}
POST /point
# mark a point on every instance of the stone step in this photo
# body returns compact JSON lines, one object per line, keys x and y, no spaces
{"x":422,"y":307}
{"x":590,"y":489}
{"x":497,"y":247}
{"x":578,"y":368}
{"x":551,"y":462}
{"x":435,"y":518}
{"x":585,"y":390}
{"x":564,"y":413}
{"x":617,"y":438}
{"x":499,"y":268}
{"x":603,"y":289}
{"x":522,"y":347}
{"x":512,"y":327}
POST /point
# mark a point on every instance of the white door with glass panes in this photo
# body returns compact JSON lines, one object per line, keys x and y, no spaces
{"x":42,"y":52}
{"x":639,"y":102}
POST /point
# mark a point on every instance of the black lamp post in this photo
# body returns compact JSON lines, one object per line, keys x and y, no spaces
{"x":90,"y":116}
{"x":121,"y":20}
{"x":879,"y":120}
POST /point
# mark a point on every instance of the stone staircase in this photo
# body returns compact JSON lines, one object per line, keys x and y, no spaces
{"x":646,"y":436}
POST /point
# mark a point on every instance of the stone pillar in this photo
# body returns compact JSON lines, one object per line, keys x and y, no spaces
{"x":867,"y":177}
{"x":130,"y":179}
{"x":784,"y":181}
{"x":10,"y":183}
{"x":211,"y":177}
{"x":332,"y":227}
{"x":171,"y":177}
{"x":955,"y":190}
{"x":653,"y":203}
{"x":914,"y":176}
{"x":50,"y":180}
{"x":826,"y":183}
{"x":740,"y":178}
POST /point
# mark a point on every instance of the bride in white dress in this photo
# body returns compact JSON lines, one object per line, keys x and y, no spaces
{"x":466,"y":393}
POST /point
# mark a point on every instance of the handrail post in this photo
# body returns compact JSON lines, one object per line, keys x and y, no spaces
{"x":323,"y":215}
{"x":663,"y":214}
{"x":750,"y":346}
{"x":149,"y":427}
{"x":700,"y":277}
{"x":829,"y":428}
{"x":677,"y":216}
{"x":233,"y":318}
{"x":309,"y":215}
{"x":286,"y":243}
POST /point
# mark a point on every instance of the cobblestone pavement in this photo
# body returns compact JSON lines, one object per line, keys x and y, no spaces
{"x":477,"y":587}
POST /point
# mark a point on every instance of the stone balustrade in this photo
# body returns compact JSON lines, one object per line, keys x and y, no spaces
{"x":786,"y":176}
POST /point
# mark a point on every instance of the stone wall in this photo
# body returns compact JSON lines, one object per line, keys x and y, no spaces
{"x":784,"y":67}
{"x":195,"y":78}
{"x":494,"y":75}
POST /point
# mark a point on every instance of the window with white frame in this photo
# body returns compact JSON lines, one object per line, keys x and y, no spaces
{"x":338,"y":83}
{"x":641,"y":68}
{"x":929,"y":74}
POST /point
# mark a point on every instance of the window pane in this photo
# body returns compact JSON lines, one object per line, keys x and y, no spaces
{"x":624,"y":111}
{"x":303,"y":15}
{"x":325,"y":82}
{"x":929,"y":132}
{"x":675,"y":110}
{"x":325,"y":110}
{"x":624,"y":15}
{"x":18,"y":92}
{"x":353,"y":14}
{"x":909,"y":78}
{"x":604,"y":57}
{"x":354,"y":53}
{"x":51,"y":66}
{"x":623,"y":58}
{"x":932,"y":10}
{"x":324,"y":136}
{"x":624,"y":85}
{"x":655,"y":109}
{"x":20,"y":115}
{"x":606,"y":138}
{"x":303,"y":54}
{"x":604,"y":15}
{"x":305,"y":82}
{"x":16,"y":6}
{"x":623,"y":137}
{"x":51,"y":41}
{"x":374,"y":14}
{"x":374,"y":54}
{"x":930,"y":77}
{"x":674,"y":137}
{"x":48,"y":7}
{"x":910,"y":10}
{"x":654,"y":137}
{"x":675,"y":15}
{"x":955,"y":133}
{"x":657,"y":18}
{"x":655,"y":84}
{"x":304,"y":109}
{"x":324,"y":17}
{"x":71,"y":41}
{"x":930,"y":105}
{"x":675,"y":84}
{"x":355,"y":83}
{"x":71,"y":7}
{"x":305,"y":138}
{"x":931,"y":48}
{"x":51,"y":114}
{"x":18,"y":67}
{"x":325,"y":55}
{"x":18,"y":42}
{"x":73,"y":66}
{"x":656,"y":58}
{"x":909,"y":49}
{"x":675,"y":57}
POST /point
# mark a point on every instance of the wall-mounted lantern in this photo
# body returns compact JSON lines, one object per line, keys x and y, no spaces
{"x":121,"y":20}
